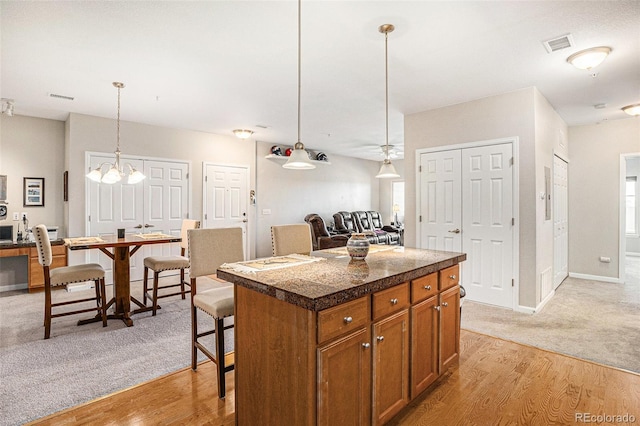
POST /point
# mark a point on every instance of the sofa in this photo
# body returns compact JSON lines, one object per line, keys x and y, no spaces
{"x":321,"y":238}
{"x":369,"y":223}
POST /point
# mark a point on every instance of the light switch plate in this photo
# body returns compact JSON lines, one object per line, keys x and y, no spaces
{"x":16,"y":216}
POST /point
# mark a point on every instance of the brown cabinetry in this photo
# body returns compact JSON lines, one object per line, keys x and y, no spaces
{"x":424,"y":344}
{"x":449,"y":327}
{"x":36,"y":273}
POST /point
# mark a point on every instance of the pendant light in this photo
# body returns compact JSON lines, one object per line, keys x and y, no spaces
{"x":115,"y":173}
{"x":386,"y":170}
{"x":299,"y":158}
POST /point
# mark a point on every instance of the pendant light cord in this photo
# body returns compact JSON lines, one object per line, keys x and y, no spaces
{"x":386,"y":94}
{"x":299,"y":61}
{"x":118,"y":123}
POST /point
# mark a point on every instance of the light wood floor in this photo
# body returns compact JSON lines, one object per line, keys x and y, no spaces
{"x":497,"y":383}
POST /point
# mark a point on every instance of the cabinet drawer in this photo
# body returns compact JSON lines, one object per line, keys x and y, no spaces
{"x":391,"y":300}
{"x":449,"y":277}
{"x":424,"y":287}
{"x":343,"y":318}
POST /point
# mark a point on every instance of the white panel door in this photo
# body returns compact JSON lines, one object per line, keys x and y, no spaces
{"x":560,"y":221}
{"x":226,"y":195}
{"x":152,"y":205}
{"x":440,"y":201}
{"x":166,"y":202}
{"x":487,"y":230}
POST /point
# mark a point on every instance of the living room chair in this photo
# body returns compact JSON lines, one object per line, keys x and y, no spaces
{"x":393,"y":235}
{"x":168,"y":263}
{"x":320,"y":235}
{"x":67,"y":275}
{"x":289,"y":239}
{"x":365,"y":226}
{"x":208,"y":249}
{"x":344,"y":223}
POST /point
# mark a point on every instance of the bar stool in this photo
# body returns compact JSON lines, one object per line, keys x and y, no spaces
{"x":289,"y":239}
{"x":168,"y":263}
{"x":208,"y":249}
{"x":67,"y":275}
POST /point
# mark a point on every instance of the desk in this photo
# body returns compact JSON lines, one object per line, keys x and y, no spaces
{"x":123,"y":248}
{"x":28,"y":249}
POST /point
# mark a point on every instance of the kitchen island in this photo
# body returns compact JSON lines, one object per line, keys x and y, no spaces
{"x":333,"y":341}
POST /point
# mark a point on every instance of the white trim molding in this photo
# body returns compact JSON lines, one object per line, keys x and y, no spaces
{"x":596,"y":278}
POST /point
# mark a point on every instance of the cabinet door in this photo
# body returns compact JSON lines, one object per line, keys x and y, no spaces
{"x":424,"y":345}
{"x":449,"y":327}
{"x":391,"y":366}
{"x":344,"y":380}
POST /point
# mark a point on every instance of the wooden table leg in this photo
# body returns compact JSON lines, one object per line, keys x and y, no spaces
{"x":122,"y":290}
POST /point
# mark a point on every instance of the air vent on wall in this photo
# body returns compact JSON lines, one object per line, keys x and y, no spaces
{"x":558,"y":43}
{"x":54,"y":95}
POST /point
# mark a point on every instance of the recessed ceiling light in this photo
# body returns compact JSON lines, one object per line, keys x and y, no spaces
{"x":589,"y":58}
{"x":633,"y":109}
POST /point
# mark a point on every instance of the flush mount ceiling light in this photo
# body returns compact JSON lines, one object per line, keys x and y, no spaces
{"x":386,"y":170}
{"x":242,"y":133}
{"x":115,"y":173}
{"x":632,"y":109}
{"x":589,"y":58}
{"x":7,"y":107}
{"x":299,"y":158}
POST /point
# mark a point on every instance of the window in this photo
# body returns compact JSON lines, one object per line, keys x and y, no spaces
{"x":632,"y":205}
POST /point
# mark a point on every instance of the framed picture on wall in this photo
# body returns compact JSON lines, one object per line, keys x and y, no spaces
{"x":33,"y":192}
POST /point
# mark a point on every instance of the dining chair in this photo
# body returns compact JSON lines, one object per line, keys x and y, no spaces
{"x":67,"y":275}
{"x":168,"y":263}
{"x":208,"y":249}
{"x":289,"y":239}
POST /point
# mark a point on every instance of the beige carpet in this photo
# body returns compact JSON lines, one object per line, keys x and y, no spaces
{"x":590,"y":320}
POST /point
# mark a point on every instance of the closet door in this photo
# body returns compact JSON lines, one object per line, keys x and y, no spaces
{"x":487,"y":193}
{"x":440,"y":218}
{"x":560,"y":221}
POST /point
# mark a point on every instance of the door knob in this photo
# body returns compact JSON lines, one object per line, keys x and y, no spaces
{"x":454,"y":231}
{"x":245,"y":220}
{"x":139,"y":226}
{"x":146,"y":225}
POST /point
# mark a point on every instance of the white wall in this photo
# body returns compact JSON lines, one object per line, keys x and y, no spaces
{"x":347,"y":184}
{"x":594,"y":193}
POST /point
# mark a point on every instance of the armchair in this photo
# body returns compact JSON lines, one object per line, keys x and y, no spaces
{"x":344,"y":223}
{"x":320,"y":236}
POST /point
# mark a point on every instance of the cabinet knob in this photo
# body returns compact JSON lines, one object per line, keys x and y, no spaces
{"x":453,"y":277}
{"x":394,"y":301}
{"x":437,"y":308}
{"x":445,"y":304}
{"x":427,"y":287}
{"x":366,"y":345}
{"x":380,"y":338}
{"x":348,"y":320}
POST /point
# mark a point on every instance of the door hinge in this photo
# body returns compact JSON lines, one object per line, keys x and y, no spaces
{"x":205,"y":216}
{"x":513,"y":221}
{"x":187,"y":175}
{"x":89,"y":218}
{"x":420,"y":220}
{"x":513,"y":282}
{"x":511,"y":161}
{"x":420,"y":169}
{"x":206,"y":178}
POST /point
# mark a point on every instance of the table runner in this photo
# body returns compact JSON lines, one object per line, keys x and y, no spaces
{"x":270,"y":263}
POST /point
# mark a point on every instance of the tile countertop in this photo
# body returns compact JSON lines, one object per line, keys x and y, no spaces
{"x":321,"y":285}
{"x":21,"y":244}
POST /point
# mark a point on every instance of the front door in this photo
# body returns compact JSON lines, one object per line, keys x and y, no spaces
{"x":226,"y":198}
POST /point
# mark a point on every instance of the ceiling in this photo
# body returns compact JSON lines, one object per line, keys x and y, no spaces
{"x":215,"y":66}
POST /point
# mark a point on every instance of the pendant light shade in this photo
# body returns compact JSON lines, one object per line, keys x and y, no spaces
{"x":115,"y":173}
{"x":299,"y":158}
{"x":633,"y":110}
{"x":386,"y":170}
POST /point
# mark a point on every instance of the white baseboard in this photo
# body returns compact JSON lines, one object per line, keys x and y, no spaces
{"x":525,"y":309}
{"x":545,"y":300}
{"x":632,"y":254}
{"x":595,"y":278}
{"x":13,"y":287}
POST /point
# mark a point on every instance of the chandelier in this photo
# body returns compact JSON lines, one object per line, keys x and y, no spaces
{"x":115,"y":173}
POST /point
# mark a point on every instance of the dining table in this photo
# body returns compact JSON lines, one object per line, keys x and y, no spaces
{"x":120,"y":251}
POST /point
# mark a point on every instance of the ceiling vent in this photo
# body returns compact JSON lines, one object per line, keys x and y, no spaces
{"x":53,"y":95}
{"x":558,"y":43}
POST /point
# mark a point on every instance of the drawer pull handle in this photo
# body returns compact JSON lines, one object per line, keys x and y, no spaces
{"x":437,"y":308}
{"x":348,"y":320}
{"x":394,"y":301}
{"x":366,"y":345}
{"x":445,"y":304}
{"x":380,"y":338}
{"x":427,"y":287}
{"x":453,"y":277}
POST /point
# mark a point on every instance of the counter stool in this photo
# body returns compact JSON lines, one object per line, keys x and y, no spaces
{"x":208,"y":249}
{"x":289,"y":239}
{"x":168,"y":263}
{"x":67,"y":275}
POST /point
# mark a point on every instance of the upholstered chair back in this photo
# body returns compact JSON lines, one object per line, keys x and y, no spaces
{"x":289,"y":239}
{"x":43,"y":245}
{"x":363,"y":221}
{"x":318,"y":227}
{"x":376,"y":219}
{"x":186,"y":225}
{"x":344,"y":222}
{"x":211,"y":247}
